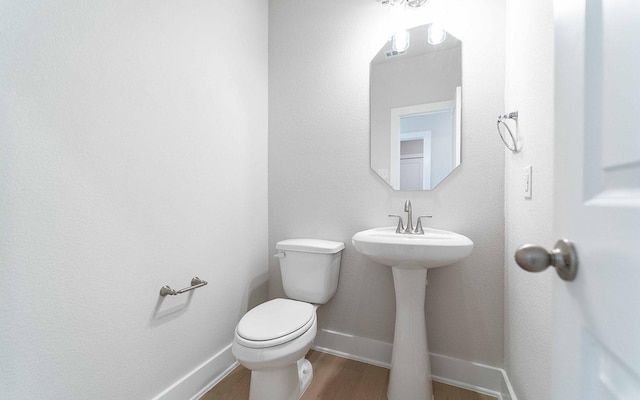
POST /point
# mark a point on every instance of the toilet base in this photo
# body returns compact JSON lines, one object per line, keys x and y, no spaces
{"x":285,"y":383}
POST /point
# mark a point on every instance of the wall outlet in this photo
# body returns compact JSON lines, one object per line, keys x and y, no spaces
{"x":527,"y":181}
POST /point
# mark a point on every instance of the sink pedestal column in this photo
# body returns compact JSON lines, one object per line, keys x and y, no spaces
{"x":410,"y":376}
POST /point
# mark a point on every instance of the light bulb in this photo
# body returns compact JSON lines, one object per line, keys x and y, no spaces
{"x":436,"y":35}
{"x":400,"y":41}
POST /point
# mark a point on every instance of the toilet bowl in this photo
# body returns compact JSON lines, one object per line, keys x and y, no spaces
{"x":272,"y":339}
{"x":276,"y":358}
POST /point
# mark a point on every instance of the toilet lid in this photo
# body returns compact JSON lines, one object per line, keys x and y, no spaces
{"x":310,"y":245}
{"x":275,"y":322}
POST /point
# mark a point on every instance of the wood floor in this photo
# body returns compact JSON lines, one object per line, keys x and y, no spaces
{"x":336,"y":378}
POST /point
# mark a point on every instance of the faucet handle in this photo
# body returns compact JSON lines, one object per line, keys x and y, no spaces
{"x":419,"y":229}
{"x":400,"y":227}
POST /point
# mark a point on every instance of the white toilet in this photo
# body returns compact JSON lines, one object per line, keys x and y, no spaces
{"x":272,"y":339}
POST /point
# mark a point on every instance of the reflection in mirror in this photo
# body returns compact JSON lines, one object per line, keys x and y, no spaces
{"x":416,"y":111}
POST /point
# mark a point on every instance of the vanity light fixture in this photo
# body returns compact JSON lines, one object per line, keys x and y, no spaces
{"x":400,"y":39}
{"x":436,"y":34}
{"x":398,"y":25}
{"x":410,"y":3}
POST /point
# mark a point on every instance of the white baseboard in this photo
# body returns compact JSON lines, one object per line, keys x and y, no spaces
{"x":453,"y":371}
{"x":356,"y":348}
{"x":202,"y":378}
{"x":470,"y":375}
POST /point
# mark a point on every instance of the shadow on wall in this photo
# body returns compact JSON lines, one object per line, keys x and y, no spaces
{"x":256,"y":293}
{"x":169,"y":308}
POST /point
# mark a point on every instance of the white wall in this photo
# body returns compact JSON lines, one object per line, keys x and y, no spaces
{"x":529,"y":89}
{"x":133,"y":154}
{"x":320,"y":183}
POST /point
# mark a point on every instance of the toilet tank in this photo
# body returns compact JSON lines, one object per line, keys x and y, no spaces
{"x":310,"y":268}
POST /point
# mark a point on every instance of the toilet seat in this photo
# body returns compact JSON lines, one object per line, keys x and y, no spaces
{"x":275,"y":322}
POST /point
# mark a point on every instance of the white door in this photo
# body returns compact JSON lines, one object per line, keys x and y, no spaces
{"x":411,"y":171}
{"x":597,"y":198}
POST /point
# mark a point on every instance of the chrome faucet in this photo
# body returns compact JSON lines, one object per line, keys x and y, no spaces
{"x":407,"y":209}
{"x":409,"y":228}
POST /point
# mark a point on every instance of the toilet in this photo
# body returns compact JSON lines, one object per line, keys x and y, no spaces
{"x":272,"y":339}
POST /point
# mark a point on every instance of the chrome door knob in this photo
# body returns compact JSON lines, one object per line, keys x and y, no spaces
{"x":563,"y":257}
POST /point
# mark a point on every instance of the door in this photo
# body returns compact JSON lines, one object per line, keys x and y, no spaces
{"x":411,"y":173}
{"x":597,"y":198}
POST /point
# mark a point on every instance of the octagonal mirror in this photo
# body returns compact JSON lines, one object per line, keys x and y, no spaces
{"x":415,"y":110}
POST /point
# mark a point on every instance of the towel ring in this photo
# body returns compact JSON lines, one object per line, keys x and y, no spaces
{"x":513,"y":144}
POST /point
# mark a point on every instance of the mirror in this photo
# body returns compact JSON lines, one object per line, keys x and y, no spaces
{"x":415,"y":111}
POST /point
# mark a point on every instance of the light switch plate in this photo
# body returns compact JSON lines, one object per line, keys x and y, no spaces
{"x":528,"y":171}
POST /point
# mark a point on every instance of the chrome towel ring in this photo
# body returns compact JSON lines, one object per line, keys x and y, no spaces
{"x":511,"y":141}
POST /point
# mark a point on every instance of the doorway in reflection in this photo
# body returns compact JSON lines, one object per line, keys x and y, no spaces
{"x":426,"y":151}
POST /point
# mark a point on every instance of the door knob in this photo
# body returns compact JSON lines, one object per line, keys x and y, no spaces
{"x":534,"y":258}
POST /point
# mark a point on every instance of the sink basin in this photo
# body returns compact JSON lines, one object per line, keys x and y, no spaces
{"x":435,"y":248}
{"x":410,"y":257}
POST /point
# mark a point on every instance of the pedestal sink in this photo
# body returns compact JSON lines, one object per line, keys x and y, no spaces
{"x":410,"y":255}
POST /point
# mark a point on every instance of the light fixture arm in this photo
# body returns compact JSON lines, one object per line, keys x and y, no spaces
{"x":410,"y":3}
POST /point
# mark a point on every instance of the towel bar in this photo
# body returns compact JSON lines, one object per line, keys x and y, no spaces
{"x":195,"y":283}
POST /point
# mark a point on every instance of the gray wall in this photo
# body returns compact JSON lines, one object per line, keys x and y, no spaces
{"x":529,"y":89}
{"x":133,"y":154}
{"x":320,"y":184}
